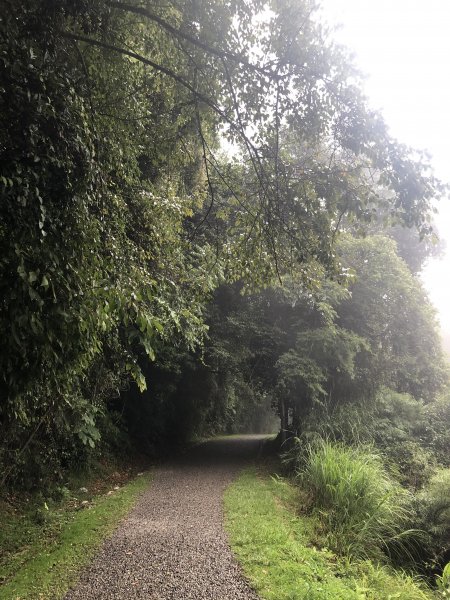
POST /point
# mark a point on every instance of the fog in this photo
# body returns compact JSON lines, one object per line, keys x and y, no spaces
{"x":403,"y":48}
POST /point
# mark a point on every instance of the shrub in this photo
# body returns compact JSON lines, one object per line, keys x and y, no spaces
{"x":410,"y":463}
{"x":443,"y":582}
{"x":433,"y":509}
{"x":396,"y":424}
{"x":438,"y":430}
{"x":362,"y":508}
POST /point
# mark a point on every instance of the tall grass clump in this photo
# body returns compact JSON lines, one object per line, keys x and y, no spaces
{"x":363,"y":510}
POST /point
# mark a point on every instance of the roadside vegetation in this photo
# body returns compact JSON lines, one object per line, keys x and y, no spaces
{"x":46,"y":540}
{"x":289,"y":551}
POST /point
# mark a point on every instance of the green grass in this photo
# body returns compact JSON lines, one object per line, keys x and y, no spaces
{"x":281,"y":555}
{"x":44,"y":559}
{"x":363,"y":508}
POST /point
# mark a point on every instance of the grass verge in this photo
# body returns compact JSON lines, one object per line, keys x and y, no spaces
{"x":281,"y":555}
{"x":47,"y":557}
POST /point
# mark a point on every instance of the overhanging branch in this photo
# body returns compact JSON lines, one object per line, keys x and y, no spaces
{"x":218,"y":52}
{"x":162,"y":69}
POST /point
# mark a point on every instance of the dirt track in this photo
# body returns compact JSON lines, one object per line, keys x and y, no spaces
{"x":172,"y":545}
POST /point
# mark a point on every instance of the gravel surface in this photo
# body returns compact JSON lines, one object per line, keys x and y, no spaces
{"x":172,"y":545}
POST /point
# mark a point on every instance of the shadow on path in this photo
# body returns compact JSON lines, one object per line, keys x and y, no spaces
{"x":172,"y":546}
{"x":235,"y":450}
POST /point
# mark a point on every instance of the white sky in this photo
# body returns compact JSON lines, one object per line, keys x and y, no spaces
{"x":403,"y":46}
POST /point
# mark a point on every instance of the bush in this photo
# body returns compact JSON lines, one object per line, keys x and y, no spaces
{"x":443,"y":582}
{"x":433,"y":509}
{"x":397,"y":424}
{"x":362,"y":508}
{"x":410,"y":463}
{"x":438,"y":430}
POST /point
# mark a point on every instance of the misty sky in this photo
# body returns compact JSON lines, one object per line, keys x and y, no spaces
{"x":403,"y":46}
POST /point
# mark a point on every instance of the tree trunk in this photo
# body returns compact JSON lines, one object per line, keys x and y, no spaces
{"x":284,"y":421}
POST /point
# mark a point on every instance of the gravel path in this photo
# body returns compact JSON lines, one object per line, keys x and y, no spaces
{"x":172,"y":545}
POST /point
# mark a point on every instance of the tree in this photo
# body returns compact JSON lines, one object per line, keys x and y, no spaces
{"x":331,"y":350}
{"x":92,"y":240}
{"x":389,"y":308}
{"x":119,"y":214}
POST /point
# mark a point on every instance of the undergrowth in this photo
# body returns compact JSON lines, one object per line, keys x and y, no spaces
{"x":46,"y":540}
{"x":284,"y":555}
{"x":363,"y":509}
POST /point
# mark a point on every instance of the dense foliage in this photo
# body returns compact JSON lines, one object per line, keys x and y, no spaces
{"x":185,"y":187}
{"x":204,"y":228}
{"x":319,"y":353}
